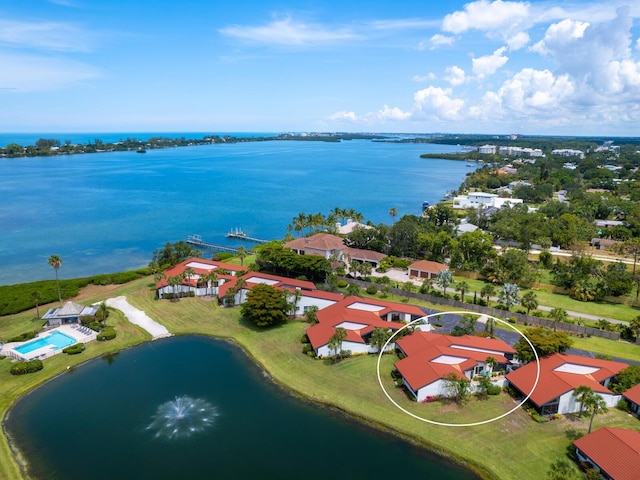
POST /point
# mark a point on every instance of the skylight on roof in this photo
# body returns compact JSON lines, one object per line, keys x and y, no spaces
{"x":351,"y":326}
{"x":262,"y":280}
{"x":576,"y":369}
{"x":366,"y":307}
{"x":448,"y":360}
{"x":203,"y":266}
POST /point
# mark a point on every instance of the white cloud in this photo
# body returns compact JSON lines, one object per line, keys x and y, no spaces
{"x":487,"y":16}
{"x":518,"y":41}
{"x":532,"y":91}
{"x":439,"y":40}
{"x":489,"y":64}
{"x":392,"y":114}
{"x":424,"y":78}
{"x":44,"y":35}
{"x":438,"y":102}
{"x":344,"y":115}
{"x":559,"y":35}
{"x":288,"y":32}
{"x":456,"y":75}
{"x":28,"y":73}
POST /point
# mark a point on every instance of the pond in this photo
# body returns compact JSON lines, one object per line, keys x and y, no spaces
{"x":194,"y":407}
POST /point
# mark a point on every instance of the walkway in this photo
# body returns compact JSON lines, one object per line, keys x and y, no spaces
{"x":138,"y":317}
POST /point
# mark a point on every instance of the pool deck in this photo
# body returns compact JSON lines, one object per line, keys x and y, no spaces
{"x":79,"y":333}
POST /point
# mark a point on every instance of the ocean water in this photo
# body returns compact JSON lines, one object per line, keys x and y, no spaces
{"x":107,"y":212}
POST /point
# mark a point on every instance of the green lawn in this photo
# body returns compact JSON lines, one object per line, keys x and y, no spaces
{"x":514,"y":447}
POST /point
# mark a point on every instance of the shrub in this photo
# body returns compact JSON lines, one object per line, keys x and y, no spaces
{"x":74,"y":349}
{"x":22,"y":337}
{"x":220,"y":256}
{"x":304,"y":338}
{"x":86,"y":320}
{"x":95,"y":326}
{"x":623,"y":405}
{"x":108,"y":333}
{"x":371,"y":290}
{"x":494,"y":390}
{"x":342,"y":283}
{"x":22,"y":368}
{"x":308,"y":349}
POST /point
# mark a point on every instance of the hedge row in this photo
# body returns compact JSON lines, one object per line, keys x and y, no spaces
{"x":18,"y":298}
{"x":22,"y":337}
{"x":22,"y":368}
{"x":74,"y":349}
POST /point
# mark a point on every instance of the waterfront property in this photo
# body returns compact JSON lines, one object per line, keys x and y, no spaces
{"x":69,"y":313}
{"x":359,"y":317}
{"x":200,"y":282}
{"x":483,"y":200}
{"x":48,"y":343}
{"x":633,"y":397}
{"x":560,"y":375}
{"x":332,"y":247}
{"x":613,"y":452}
{"x":431,"y":357}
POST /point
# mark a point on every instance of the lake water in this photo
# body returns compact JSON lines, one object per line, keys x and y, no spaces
{"x":100,"y":422}
{"x":107,"y":212}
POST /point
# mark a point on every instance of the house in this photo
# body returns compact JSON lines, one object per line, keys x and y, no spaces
{"x":359,"y":317}
{"x":333,"y":247}
{"x":632,"y":396}
{"x":70,"y":312}
{"x":614,"y":452}
{"x":483,"y":200}
{"x":307,"y":294}
{"x":568,"y":152}
{"x":487,"y":149}
{"x":430,"y":357}
{"x":197,"y":283}
{"x":560,"y":375}
{"x":426,"y":269}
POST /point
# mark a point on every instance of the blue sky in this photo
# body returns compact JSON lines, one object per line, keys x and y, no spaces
{"x":537,"y":67}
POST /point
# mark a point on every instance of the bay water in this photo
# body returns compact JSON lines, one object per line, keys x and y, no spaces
{"x":107,"y":212}
{"x":101,"y":421}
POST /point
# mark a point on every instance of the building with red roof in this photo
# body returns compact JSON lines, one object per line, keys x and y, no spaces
{"x":426,"y":269}
{"x":332,"y":246}
{"x":198,"y":283}
{"x":632,"y":396}
{"x":560,"y":375}
{"x":614,"y":452}
{"x":430,"y":357}
{"x":306,"y":291}
{"x":359,"y":317}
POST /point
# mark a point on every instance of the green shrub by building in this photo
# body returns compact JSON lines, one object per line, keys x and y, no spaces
{"x":108,"y":333}
{"x":22,"y":337}
{"x":74,"y":349}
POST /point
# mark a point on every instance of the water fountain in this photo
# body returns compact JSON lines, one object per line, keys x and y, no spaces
{"x":182,"y":417}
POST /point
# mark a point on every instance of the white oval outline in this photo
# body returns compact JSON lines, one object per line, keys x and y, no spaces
{"x":426,"y":317}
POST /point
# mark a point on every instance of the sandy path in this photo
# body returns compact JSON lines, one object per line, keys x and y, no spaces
{"x":138,"y":317}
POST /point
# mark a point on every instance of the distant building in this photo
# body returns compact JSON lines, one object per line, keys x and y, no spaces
{"x":520,"y":151}
{"x":483,"y":200}
{"x":568,"y":152}
{"x":426,"y":269}
{"x":69,"y":313}
{"x":487,"y":149}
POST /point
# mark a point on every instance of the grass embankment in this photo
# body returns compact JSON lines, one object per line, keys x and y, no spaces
{"x":514,"y":447}
{"x":12,"y":387}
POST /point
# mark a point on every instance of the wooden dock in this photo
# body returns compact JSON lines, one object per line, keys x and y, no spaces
{"x":239,"y":234}
{"x":197,"y":241}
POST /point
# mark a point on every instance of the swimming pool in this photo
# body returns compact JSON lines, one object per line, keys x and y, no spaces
{"x":55,"y":339}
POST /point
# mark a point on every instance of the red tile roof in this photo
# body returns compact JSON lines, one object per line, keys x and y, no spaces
{"x":633,"y":394}
{"x":428,"y":266}
{"x":253,"y":278}
{"x":319,"y":241}
{"x":212,"y":265}
{"x":421,"y":348}
{"x":553,"y":383}
{"x":364,"y":255}
{"x":615,"y":450}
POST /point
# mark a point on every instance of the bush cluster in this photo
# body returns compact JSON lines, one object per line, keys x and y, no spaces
{"x":22,"y":337}
{"x":74,"y":349}
{"x":108,"y":333}
{"x":22,"y":368}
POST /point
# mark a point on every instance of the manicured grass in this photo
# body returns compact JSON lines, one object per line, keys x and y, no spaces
{"x":514,"y":447}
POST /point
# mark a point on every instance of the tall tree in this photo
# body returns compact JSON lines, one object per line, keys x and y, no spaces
{"x":529,"y":301}
{"x":558,"y":315}
{"x":104,"y":313}
{"x":582,"y":393}
{"x":544,"y":340}
{"x":241,"y":284}
{"x":242,"y":253}
{"x":56,"y":262}
{"x":174,"y":281}
{"x":265,"y":306}
{"x":509,"y":295}
{"x":379,"y":337}
{"x":335,"y":342}
{"x":188,"y":274}
{"x":37,"y":298}
{"x":444,"y":279}
{"x":487,"y":291}
{"x":596,"y":405}
{"x":462,"y":287}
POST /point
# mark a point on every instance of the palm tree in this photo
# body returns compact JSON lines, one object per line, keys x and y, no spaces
{"x":558,"y":315}
{"x":240,"y":285}
{"x":529,"y":301}
{"x":242,"y":254}
{"x":55,"y":261}
{"x":174,"y":281}
{"x":582,"y":393}
{"x":596,"y":405}
{"x":104,"y":313}
{"x":462,"y":287}
{"x":365,"y":269}
{"x":444,"y":279}
{"x":490,"y":362}
{"x":509,"y":295}
{"x":296,"y":295}
{"x":188,"y":273}
{"x":634,"y":325}
{"x":335,"y":342}
{"x":488,"y":291}
{"x":36,"y":297}
{"x":379,"y":337}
